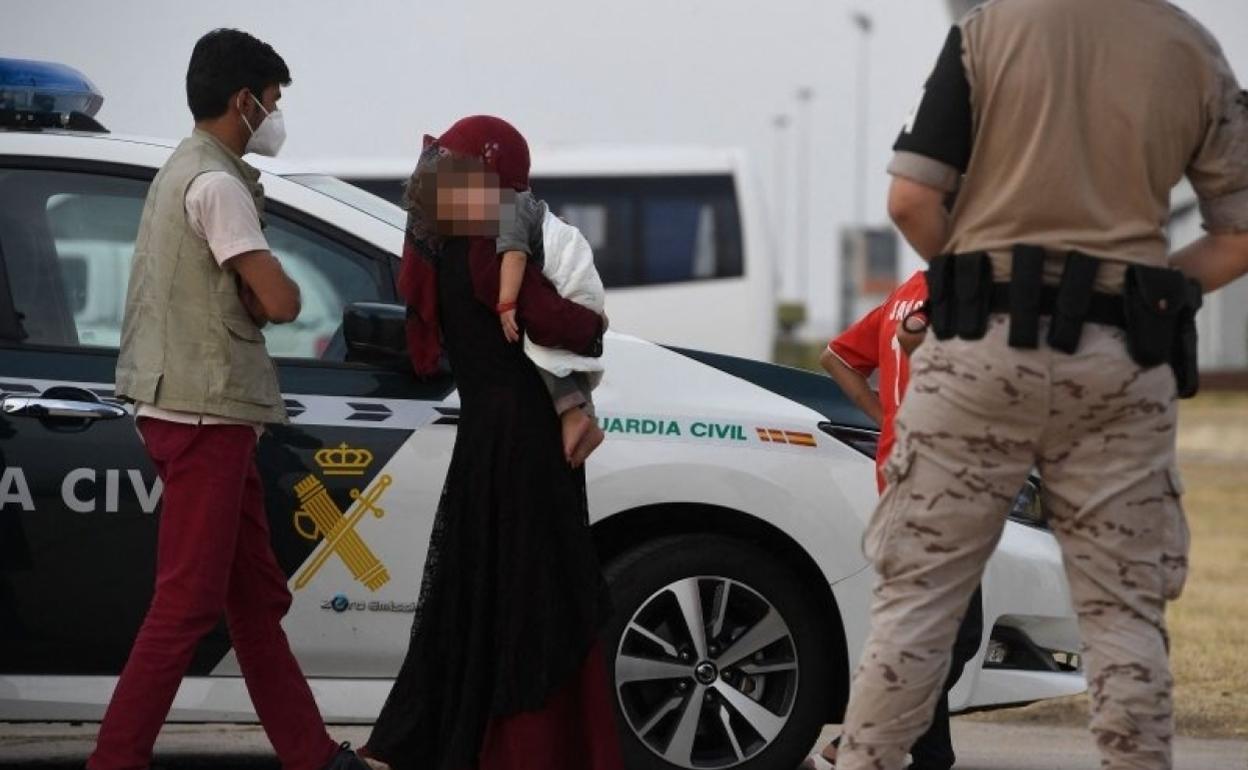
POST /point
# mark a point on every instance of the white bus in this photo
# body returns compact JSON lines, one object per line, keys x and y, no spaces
{"x":678,"y":236}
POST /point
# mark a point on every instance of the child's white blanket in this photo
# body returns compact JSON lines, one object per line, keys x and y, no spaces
{"x":569,"y":264}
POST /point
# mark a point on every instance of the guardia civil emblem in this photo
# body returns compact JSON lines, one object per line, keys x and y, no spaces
{"x":319,"y":517}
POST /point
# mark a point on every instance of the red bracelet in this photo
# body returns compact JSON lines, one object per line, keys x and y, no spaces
{"x":504,"y":307}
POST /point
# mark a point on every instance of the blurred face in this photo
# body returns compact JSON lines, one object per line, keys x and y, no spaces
{"x":468,"y":199}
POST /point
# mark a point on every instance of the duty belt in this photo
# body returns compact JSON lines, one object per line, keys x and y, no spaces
{"x":1105,"y":309}
{"x":1157,"y":308}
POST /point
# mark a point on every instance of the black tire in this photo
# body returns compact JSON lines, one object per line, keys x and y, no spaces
{"x":648,"y":578}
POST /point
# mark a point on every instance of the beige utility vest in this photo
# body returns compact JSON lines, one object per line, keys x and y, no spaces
{"x":187,"y":342}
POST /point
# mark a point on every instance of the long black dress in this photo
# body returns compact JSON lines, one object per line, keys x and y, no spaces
{"x":512,"y":598}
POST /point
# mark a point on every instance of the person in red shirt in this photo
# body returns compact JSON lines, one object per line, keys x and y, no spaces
{"x":872,"y":343}
{"x":883,"y":339}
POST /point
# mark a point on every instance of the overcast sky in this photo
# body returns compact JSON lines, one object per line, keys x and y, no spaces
{"x":371,"y":76}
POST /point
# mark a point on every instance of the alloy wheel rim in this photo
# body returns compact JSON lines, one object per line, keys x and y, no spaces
{"x":706,"y":673}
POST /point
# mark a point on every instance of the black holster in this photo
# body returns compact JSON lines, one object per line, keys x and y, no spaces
{"x":1184,"y":359}
{"x":1160,"y":306}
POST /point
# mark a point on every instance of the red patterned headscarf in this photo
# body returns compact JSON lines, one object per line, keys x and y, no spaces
{"x":501,"y":149}
{"x":494,"y":142}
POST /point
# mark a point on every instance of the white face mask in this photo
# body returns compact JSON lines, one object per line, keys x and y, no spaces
{"x":267,"y":139}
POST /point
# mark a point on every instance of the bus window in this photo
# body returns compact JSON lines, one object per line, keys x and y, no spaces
{"x":679,"y":240}
{"x":647,"y":231}
{"x":607,"y":222}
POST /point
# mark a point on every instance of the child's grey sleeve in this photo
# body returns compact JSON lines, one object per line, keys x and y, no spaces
{"x":567,"y":392}
{"x":520,"y":228}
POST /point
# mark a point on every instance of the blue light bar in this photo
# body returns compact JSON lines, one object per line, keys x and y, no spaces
{"x":46,"y":87}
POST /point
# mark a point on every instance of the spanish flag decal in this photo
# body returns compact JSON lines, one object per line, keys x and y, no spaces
{"x":791,"y":437}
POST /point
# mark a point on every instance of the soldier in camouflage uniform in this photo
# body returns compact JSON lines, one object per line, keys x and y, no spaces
{"x":1062,"y":124}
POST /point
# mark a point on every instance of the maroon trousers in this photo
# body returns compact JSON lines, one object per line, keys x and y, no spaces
{"x":213,"y":556}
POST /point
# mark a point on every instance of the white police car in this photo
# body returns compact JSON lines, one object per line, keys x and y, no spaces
{"x":742,"y":485}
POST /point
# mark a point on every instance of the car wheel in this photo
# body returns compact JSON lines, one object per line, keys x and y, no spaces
{"x":719,"y":659}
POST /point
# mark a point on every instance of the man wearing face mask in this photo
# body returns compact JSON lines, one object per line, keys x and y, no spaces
{"x":202,"y":283}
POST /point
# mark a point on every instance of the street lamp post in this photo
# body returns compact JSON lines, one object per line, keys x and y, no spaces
{"x":780,"y":215}
{"x":864,"y":24}
{"x":801,"y":208}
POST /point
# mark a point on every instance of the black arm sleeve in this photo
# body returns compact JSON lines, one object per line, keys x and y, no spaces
{"x":940,"y":127}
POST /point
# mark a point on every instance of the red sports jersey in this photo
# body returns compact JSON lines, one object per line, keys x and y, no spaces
{"x":872,"y":344}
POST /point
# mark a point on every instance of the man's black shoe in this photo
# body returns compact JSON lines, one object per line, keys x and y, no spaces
{"x":346,"y":759}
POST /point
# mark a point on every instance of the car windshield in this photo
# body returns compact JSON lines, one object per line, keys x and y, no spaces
{"x":358,"y":199}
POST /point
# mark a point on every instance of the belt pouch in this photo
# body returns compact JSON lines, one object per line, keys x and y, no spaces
{"x":1026,"y":287}
{"x":972,"y":292}
{"x":1074,"y":297}
{"x":1152,"y":300}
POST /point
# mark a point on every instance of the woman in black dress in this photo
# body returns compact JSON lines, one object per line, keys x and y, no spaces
{"x":505,"y":670}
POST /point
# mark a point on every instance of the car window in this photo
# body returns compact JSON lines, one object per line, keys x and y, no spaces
{"x":67,"y":240}
{"x":329,"y":276}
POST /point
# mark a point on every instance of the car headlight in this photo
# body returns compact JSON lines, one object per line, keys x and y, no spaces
{"x":1026,"y":508}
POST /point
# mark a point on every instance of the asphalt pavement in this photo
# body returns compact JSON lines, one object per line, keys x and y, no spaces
{"x":980,"y":746}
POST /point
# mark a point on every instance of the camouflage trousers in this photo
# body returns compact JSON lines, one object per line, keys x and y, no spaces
{"x":977,"y":417}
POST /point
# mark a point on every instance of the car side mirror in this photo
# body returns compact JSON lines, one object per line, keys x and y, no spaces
{"x":376,"y":333}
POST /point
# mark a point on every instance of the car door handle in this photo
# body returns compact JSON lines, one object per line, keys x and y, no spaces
{"x":44,"y":408}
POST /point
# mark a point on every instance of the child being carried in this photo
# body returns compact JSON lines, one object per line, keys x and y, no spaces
{"x":532,"y":232}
